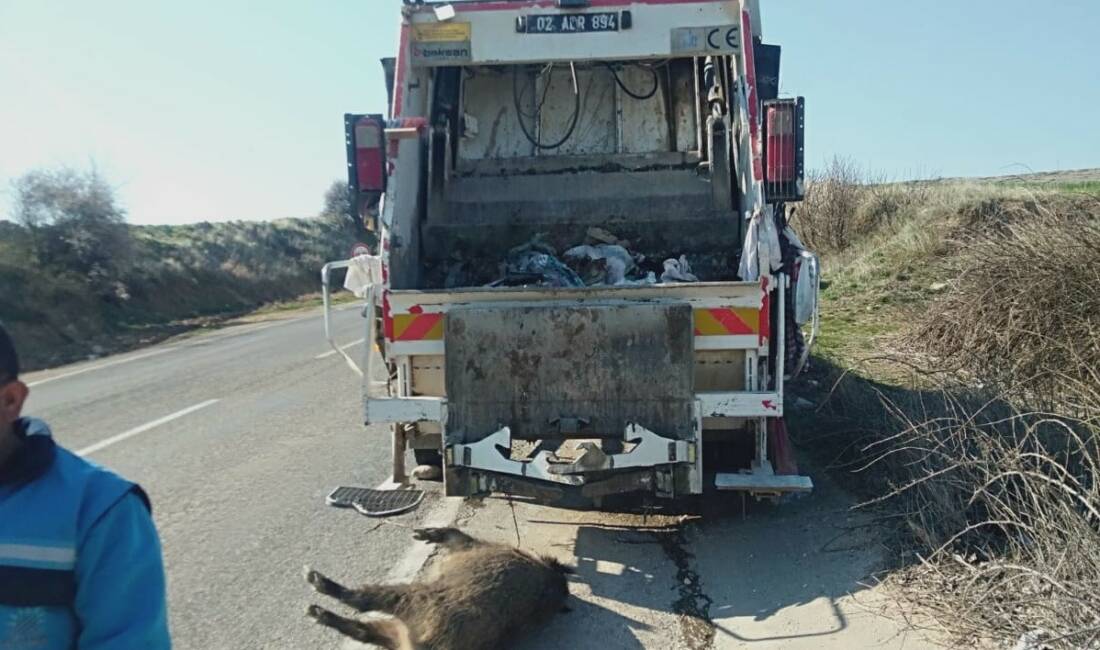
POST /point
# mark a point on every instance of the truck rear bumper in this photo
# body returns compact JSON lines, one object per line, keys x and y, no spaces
{"x":657,"y":464}
{"x":653,"y":463}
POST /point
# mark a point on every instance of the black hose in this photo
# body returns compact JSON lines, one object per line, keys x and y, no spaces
{"x":520,"y":113}
{"x":643,"y":97}
{"x":540,"y":101}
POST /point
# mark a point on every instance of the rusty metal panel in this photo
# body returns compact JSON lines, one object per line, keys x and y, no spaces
{"x":644,"y":122}
{"x":545,"y":370}
{"x":684,"y":105}
{"x":488,"y":101}
{"x":596,"y":131}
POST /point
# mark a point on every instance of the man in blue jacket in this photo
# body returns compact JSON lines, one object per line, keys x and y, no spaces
{"x":80,"y":562}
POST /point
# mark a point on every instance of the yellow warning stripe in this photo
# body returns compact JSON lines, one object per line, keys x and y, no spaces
{"x":418,"y":327}
{"x":727,"y":321}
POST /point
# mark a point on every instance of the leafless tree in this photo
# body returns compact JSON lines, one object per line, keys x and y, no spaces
{"x":75,"y":225}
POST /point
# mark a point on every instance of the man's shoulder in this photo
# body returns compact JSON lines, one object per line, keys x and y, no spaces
{"x":80,"y":468}
{"x":99,"y":488}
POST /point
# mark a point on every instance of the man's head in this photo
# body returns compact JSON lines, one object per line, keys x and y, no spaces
{"x":12,"y":391}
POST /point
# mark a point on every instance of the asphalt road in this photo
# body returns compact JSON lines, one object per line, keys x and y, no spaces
{"x":239,"y":435}
{"x":263,"y":430}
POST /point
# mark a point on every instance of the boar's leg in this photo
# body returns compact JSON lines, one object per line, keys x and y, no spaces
{"x":450,"y":539}
{"x":388,"y":633}
{"x":368,"y":598}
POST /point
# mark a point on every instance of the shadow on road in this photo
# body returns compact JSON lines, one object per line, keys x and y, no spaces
{"x":721,"y":576}
{"x":588,"y":625}
{"x":727,"y":572}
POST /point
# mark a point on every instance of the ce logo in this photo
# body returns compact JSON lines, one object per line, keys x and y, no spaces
{"x":731,"y":38}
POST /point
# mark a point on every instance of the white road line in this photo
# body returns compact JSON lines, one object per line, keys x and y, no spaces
{"x":441,"y":516}
{"x":325,"y":355}
{"x":243,"y":329}
{"x":81,"y":371}
{"x":198,"y":341}
{"x":444,"y":514}
{"x":203,"y":338}
{"x":143,"y":428}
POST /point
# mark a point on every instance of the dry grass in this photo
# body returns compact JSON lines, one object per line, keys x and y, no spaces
{"x":1025,"y":306}
{"x":968,"y":316}
{"x":826,"y":220}
{"x":1003,"y":508}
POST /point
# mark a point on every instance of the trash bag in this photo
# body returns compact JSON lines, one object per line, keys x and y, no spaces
{"x":597,"y":235}
{"x":363,"y":271}
{"x":678,"y":271}
{"x":806,"y":288}
{"x":526,"y":266}
{"x":601,"y":264}
{"x":650,"y":278}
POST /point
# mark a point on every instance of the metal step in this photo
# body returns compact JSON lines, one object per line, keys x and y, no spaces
{"x":374,"y":502}
{"x":758,"y":482}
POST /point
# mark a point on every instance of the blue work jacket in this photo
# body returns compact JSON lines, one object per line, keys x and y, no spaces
{"x":80,"y":562}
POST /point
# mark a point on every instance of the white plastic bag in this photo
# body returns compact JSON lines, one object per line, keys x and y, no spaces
{"x":616,"y":258}
{"x":364,"y":271}
{"x":806,"y":288}
{"x":678,"y":271}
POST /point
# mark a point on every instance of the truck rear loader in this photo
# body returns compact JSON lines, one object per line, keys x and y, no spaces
{"x":527,"y":146}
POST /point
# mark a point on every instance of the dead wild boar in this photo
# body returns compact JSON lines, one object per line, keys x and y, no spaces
{"x":483,"y":596}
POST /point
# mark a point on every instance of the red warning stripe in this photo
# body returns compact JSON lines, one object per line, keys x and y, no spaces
{"x":729,"y":320}
{"x":765,"y":313}
{"x":418,"y":327}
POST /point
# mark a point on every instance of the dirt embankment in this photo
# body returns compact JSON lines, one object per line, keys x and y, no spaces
{"x":181,"y":278}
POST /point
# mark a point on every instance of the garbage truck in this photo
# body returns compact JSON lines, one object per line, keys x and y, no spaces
{"x":587,"y":283}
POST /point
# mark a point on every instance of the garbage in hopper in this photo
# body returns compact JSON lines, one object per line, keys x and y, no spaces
{"x":678,"y":271}
{"x":536,"y":264}
{"x":603,"y":264}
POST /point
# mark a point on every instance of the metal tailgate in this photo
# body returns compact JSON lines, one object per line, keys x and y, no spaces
{"x":571,"y":370}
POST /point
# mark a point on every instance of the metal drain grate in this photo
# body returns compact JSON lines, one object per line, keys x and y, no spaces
{"x":375,"y":503}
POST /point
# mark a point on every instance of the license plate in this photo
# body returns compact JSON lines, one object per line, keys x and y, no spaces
{"x":572,"y":23}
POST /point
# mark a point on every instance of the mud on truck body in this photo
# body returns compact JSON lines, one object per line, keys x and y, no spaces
{"x":657,"y":121}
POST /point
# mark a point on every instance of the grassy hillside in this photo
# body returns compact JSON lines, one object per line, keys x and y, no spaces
{"x":179,"y":276}
{"x":957,"y":384}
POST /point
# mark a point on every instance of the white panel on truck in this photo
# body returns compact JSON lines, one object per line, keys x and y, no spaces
{"x":487,"y":97}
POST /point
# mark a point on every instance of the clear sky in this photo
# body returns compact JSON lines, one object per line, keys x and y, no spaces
{"x":204,"y":110}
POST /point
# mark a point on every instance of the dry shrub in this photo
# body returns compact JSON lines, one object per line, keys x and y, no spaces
{"x":845,"y":205}
{"x":826,"y":220}
{"x":1025,"y":307}
{"x":998,"y":481}
{"x":1004,"y":502}
{"x":1005,"y":508}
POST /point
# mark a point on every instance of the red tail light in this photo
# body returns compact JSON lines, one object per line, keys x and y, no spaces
{"x":365,"y":137}
{"x":784,"y":150}
{"x":370,"y":155}
{"x":780,"y":144}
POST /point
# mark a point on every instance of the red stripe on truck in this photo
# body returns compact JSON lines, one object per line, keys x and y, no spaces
{"x":751,"y":97}
{"x":765,"y":312}
{"x":399,"y":75}
{"x":419,"y":326}
{"x":729,"y":320}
